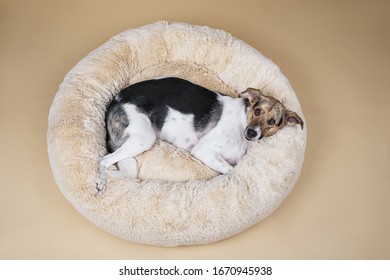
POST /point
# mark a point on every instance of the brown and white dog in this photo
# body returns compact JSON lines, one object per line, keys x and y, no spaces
{"x":215,"y":128}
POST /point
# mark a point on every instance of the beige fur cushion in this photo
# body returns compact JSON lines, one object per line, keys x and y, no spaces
{"x":177,"y":200}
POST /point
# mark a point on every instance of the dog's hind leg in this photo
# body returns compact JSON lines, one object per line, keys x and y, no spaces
{"x":134,"y":145}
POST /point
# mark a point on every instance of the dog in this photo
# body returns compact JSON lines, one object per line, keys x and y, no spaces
{"x":215,"y":128}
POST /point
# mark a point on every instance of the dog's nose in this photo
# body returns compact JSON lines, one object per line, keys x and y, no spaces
{"x":250,"y":133}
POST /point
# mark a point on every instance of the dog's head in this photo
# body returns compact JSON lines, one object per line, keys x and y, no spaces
{"x":266,"y":115}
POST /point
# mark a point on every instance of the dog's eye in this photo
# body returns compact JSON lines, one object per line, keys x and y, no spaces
{"x":271,"y":122}
{"x":257,"y":112}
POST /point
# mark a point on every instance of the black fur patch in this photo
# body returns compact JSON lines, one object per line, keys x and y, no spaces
{"x":153,"y":97}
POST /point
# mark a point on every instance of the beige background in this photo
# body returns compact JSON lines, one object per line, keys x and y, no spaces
{"x":335,"y":54}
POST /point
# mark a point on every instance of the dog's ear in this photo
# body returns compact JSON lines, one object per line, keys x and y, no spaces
{"x":252,"y":94}
{"x":291,"y":118}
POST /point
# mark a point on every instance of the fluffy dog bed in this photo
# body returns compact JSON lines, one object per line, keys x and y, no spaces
{"x":176,"y":200}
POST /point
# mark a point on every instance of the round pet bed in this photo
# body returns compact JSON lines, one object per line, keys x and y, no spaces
{"x":176,"y":200}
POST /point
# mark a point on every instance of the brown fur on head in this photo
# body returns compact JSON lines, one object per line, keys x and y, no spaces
{"x":266,"y":115}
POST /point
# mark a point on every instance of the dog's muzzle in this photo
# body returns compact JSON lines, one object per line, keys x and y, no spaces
{"x":252,"y":134}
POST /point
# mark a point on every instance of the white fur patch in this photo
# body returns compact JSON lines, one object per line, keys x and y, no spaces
{"x":139,"y":123}
{"x":178,"y":129}
{"x":226,"y":139}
